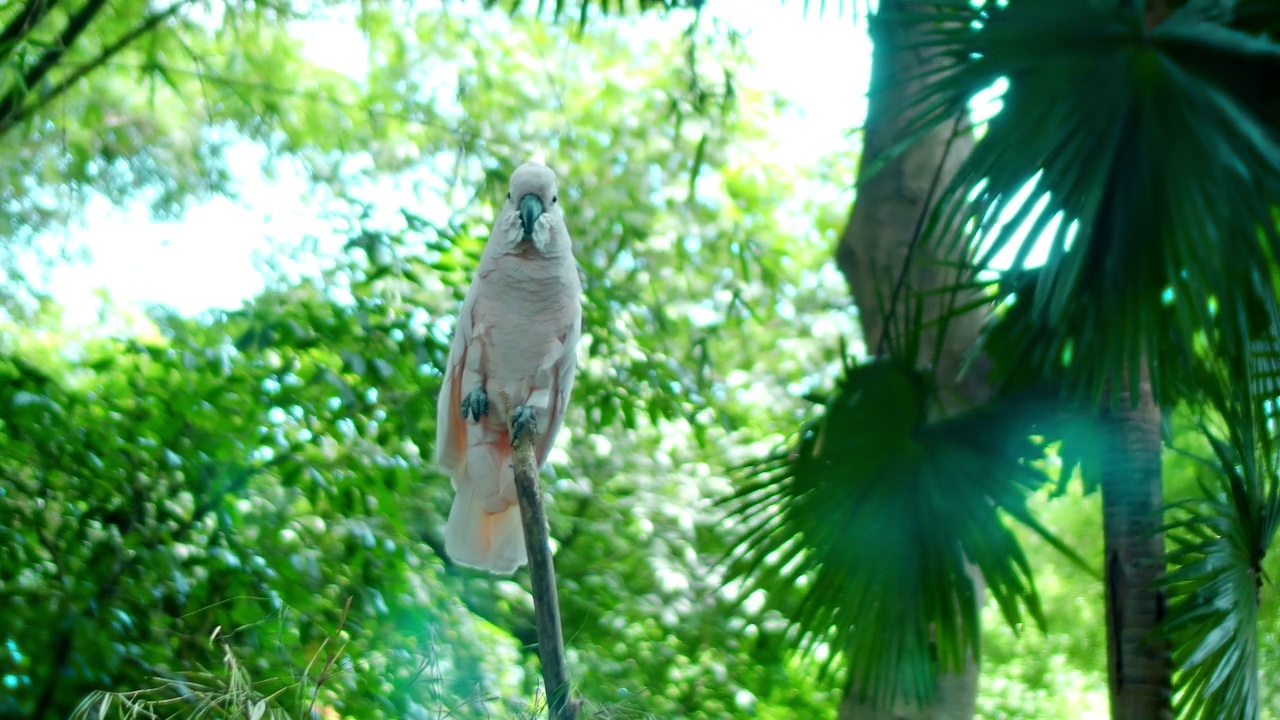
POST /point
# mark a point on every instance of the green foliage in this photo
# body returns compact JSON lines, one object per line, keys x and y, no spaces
{"x":170,"y":487}
{"x":1154,"y":254}
{"x":557,"y":9}
{"x":144,"y":103}
{"x":1057,"y":671}
{"x":109,"y":110}
{"x":1159,"y":255}
{"x":237,"y":514}
{"x":1164,"y":248}
{"x":255,"y":470}
{"x":1220,"y":541}
{"x":1215,"y":593}
{"x":876,"y":515}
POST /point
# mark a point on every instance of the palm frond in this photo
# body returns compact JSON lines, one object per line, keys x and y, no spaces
{"x":1220,"y":539}
{"x":1213,"y":590}
{"x":864,"y":533}
{"x":1148,"y":162}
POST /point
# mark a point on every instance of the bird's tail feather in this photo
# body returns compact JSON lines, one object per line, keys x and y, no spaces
{"x":485,"y":540}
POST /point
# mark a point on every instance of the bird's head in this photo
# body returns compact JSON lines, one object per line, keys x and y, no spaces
{"x":532,"y":197}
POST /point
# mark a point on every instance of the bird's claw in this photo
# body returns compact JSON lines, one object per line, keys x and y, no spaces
{"x":523,"y":419}
{"x":475,"y":405}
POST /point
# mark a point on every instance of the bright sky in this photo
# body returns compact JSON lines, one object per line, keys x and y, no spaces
{"x":206,"y":259}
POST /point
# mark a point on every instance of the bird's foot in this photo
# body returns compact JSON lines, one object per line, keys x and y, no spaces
{"x":475,"y":405}
{"x":523,"y":420}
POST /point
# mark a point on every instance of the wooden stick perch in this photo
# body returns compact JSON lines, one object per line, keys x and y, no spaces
{"x":546,"y":604}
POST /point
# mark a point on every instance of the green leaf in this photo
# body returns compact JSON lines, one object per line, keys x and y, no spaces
{"x":1199,"y":221}
{"x":877,"y":513}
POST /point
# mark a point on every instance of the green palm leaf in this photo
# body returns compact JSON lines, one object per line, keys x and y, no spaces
{"x":861,"y":533}
{"x":1219,"y":542}
{"x":1148,"y":160}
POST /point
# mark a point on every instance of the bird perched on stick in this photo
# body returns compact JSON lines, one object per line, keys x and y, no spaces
{"x":510,"y":369}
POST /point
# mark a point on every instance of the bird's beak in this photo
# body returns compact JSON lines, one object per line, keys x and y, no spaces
{"x":530,"y":211}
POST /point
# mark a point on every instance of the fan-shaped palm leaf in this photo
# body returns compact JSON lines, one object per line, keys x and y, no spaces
{"x":875,"y":515}
{"x":1213,"y":596}
{"x":1149,"y":160}
{"x":1219,"y":543}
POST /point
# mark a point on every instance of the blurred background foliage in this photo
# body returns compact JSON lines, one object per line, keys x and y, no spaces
{"x":236,"y":511}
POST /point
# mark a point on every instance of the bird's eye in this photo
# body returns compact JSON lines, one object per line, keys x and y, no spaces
{"x":554,"y":198}
{"x":508,"y":196}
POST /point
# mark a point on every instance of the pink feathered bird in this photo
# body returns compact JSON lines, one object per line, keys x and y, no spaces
{"x":512,"y":361}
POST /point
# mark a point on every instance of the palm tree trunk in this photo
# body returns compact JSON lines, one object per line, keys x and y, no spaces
{"x":876,"y":244}
{"x":1139,"y":670}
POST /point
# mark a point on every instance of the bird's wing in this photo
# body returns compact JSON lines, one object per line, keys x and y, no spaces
{"x":451,"y":431}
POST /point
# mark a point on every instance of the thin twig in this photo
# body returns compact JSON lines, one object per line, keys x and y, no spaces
{"x":546,"y":605}
{"x":333,"y":657}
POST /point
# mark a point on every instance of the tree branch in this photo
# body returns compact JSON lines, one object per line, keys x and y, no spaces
{"x":14,"y":99}
{"x":22,"y":24}
{"x":13,"y":109}
{"x":546,"y":606}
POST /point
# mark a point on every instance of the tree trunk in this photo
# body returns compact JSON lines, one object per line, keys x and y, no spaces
{"x":1139,"y":670}
{"x":876,"y":244}
{"x":878,"y":238}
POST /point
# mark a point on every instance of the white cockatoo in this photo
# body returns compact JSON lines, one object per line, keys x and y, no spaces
{"x":512,"y":361}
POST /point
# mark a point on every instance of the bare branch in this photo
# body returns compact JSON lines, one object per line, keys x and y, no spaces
{"x":546,"y":605}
